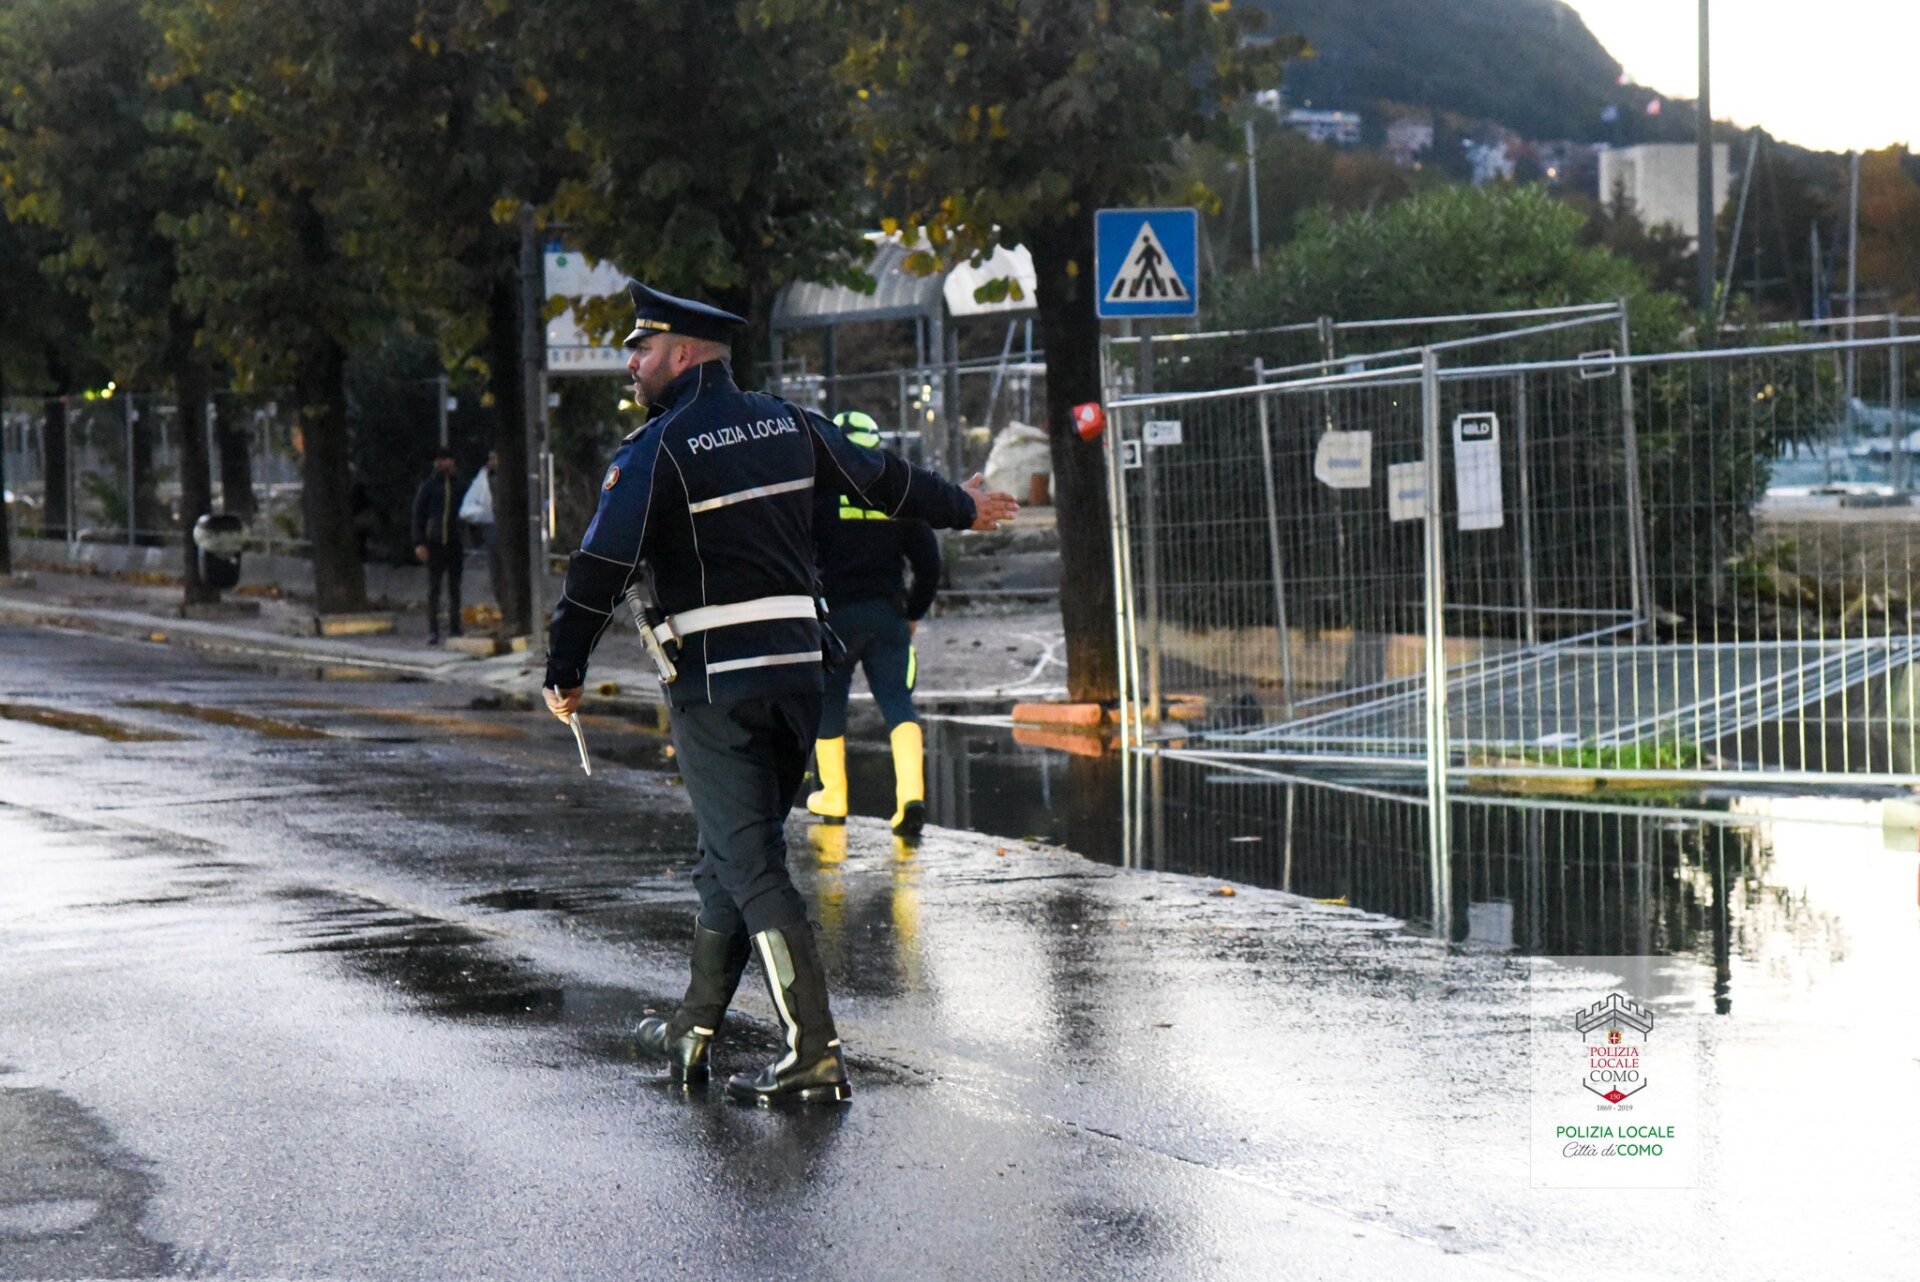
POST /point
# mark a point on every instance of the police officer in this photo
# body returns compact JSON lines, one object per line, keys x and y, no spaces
{"x":709,"y":506}
{"x":862,"y":555}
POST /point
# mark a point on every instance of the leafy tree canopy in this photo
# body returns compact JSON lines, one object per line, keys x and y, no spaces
{"x":993,"y":120}
{"x":87,"y":154}
{"x":1447,"y":250}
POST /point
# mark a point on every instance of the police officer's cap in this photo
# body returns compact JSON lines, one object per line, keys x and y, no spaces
{"x":658,"y":313}
{"x":859,"y":428}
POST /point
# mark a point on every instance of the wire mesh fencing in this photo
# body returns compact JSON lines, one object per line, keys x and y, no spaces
{"x":1627,"y":567}
{"x":107,"y":468}
{"x":943,"y":415}
{"x":1205,"y":360}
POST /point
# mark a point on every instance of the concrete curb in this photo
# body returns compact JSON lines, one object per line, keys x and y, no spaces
{"x":134,"y":625}
{"x":631,"y":690}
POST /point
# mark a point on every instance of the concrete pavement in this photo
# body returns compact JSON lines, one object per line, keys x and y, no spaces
{"x":985,"y":658}
{"x":340,"y":985}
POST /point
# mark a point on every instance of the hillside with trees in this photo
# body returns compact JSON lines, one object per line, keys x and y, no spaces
{"x":1530,"y":65}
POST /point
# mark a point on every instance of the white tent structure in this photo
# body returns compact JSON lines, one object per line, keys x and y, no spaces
{"x":934,"y":304}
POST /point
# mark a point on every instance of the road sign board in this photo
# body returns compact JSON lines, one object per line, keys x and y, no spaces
{"x":1146,"y":262}
{"x":1161,"y":431}
{"x":569,"y":351}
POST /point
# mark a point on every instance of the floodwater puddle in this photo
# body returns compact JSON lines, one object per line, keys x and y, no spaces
{"x":447,"y":967}
{"x":1711,"y":876}
{"x":453,"y":970}
{"x":516,"y":899}
{"x":269,"y":726}
{"x":85,"y":723}
{"x":76,"y":1203}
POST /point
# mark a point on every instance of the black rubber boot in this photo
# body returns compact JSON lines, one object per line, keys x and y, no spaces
{"x":813,"y":1071}
{"x":683,"y":1041}
{"x":913,"y":818}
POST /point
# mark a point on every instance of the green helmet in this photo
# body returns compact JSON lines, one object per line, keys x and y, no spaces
{"x":860,"y":428}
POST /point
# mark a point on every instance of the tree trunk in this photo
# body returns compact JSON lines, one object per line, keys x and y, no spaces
{"x":6,"y":509}
{"x":326,"y":481}
{"x":1071,"y":332}
{"x":53,"y":438}
{"x":512,"y":517}
{"x":236,"y":458}
{"x":143,"y":505}
{"x":752,"y":299}
{"x":326,"y":464}
{"x":196,"y":488}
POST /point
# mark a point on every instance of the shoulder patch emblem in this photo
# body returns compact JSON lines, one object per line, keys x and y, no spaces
{"x":613,"y":477}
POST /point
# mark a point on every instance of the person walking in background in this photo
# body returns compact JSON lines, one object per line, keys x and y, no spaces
{"x":436,"y":541}
{"x":476,"y":509}
{"x":863,"y":557}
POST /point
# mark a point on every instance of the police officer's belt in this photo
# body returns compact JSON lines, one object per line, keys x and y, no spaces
{"x":758,"y":610}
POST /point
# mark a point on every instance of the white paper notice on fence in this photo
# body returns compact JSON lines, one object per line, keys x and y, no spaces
{"x":1476,"y":471}
{"x":1344,"y":460}
{"x":1406,"y":491}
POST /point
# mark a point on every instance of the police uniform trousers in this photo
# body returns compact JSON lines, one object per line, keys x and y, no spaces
{"x":742,"y":763}
{"x":876,"y":636}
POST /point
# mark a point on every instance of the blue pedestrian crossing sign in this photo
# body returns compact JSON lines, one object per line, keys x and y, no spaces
{"x":1146,"y":262}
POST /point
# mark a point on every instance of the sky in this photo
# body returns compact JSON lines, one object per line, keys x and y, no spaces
{"x":1834,"y":75}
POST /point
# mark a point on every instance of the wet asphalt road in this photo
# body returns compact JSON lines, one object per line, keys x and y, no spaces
{"x":332,"y":978}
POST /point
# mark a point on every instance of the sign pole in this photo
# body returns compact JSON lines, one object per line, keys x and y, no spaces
{"x":533,"y":371}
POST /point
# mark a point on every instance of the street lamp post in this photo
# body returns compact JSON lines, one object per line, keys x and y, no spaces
{"x":1707,"y":252}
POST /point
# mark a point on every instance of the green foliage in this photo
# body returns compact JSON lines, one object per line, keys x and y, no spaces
{"x":1709,"y":434}
{"x":86,"y":153}
{"x":290,"y":251}
{"x":1663,"y":253}
{"x":1443,"y":251}
{"x":709,"y":156}
{"x":1663,"y":754}
{"x":1294,"y":174}
{"x":44,"y":331}
{"x":988,"y":122}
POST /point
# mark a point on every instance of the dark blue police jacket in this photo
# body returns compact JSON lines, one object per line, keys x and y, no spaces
{"x":716,"y":493}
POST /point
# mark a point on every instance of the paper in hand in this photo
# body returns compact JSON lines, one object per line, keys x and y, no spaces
{"x":580,"y":739}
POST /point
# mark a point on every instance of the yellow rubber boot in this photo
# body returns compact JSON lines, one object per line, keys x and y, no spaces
{"x":830,"y":761}
{"x":909,"y":779}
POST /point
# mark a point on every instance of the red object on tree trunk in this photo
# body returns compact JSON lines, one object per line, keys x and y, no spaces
{"x":1089,"y":420}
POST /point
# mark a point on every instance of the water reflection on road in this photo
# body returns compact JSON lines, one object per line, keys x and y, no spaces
{"x":1787,"y":885}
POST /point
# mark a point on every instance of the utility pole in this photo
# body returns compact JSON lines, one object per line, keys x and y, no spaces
{"x":1706,"y":252}
{"x":1853,"y":240}
{"x":1853,"y":279}
{"x":1739,"y":225}
{"x":1253,"y":199}
{"x":1816,"y":279}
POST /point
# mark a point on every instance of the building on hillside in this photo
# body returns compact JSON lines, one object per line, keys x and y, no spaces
{"x":1660,"y":180}
{"x":1490,"y":160}
{"x":1408,"y":138}
{"x":1341,"y":128}
{"x":1569,"y":164}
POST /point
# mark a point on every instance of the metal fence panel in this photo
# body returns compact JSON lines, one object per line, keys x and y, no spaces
{"x":1772,"y":621}
{"x":1677,"y":566}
